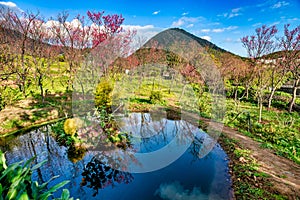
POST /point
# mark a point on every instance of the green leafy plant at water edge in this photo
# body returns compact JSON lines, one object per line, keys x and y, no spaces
{"x":16,"y":183}
{"x":109,"y":128}
{"x":65,"y":132}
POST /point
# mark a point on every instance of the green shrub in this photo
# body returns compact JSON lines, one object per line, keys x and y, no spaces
{"x":72,"y":125}
{"x":155,"y":97}
{"x":205,"y":105}
{"x":103,"y":93}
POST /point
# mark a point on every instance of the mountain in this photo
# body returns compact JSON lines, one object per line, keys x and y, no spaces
{"x":178,"y":45}
{"x":166,"y":37}
{"x":15,"y":41}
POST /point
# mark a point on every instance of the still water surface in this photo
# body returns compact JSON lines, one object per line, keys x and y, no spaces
{"x":190,"y":177}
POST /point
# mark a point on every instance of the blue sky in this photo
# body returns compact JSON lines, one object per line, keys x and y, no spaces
{"x":223,"y":22}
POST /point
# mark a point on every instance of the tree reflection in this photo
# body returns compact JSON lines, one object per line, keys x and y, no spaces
{"x":196,"y":146}
{"x":98,"y":175}
{"x":76,"y":153}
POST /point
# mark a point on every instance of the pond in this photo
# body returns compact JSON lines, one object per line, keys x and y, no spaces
{"x":167,"y":165}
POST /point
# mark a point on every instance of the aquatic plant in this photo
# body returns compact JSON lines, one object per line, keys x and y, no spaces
{"x":16,"y":182}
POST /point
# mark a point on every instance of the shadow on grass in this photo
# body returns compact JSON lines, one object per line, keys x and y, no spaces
{"x":140,"y":100}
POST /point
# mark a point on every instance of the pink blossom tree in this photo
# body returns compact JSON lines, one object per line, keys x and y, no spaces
{"x":83,"y":34}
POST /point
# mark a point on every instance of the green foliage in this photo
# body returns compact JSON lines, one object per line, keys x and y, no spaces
{"x":16,"y":183}
{"x":155,"y":96}
{"x":230,"y":92}
{"x":205,"y":106}
{"x":110,"y":129}
{"x":278,"y":130}
{"x":9,"y":96}
{"x":14,"y":123}
{"x":61,"y":136}
{"x":72,"y":125}
{"x":103,"y":93}
{"x":76,"y":150}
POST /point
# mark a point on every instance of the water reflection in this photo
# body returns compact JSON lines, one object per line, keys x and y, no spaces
{"x":91,"y":175}
{"x":98,"y":175}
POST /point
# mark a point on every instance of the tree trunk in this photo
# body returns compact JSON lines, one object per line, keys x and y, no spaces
{"x":235,"y":96}
{"x":260,"y":110}
{"x":235,"y":93}
{"x":292,"y":102}
{"x":247,"y":92}
{"x":42,"y":93}
{"x":40,"y":83}
{"x":271,"y":97}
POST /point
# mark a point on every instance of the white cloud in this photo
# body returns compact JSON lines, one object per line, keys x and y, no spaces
{"x":233,"y":13}
{"x":275,"y":23}
{"x":180,"y":22}
{"x":185,"y":13}
{"x":257,"y":24}
{"x":250,"y":19}
{"x":143,"y":33}
{"x":220,"y":30}
{"x":205,"y":30}
{"x":76,"y":23}
{"x":175,"y":191}
{"x":190,"y":25}
{"x":223,"y":15}
{"x":184,"y":20}
{"x":156,"y":12}
{"x":51,"y":23}
{"x":235,"y":10}
{"x":10,"y":5}
{"x":206,"y":37}
{"x":280,"y":4}
{"x":137,"y":27}
{"x":230,"y":40}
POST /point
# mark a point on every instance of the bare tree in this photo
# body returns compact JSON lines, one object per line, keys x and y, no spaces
{"x":258,"y":45}
{"x":42,"y":52}
{"x":19,"y":25}
{"x":290,"y":46}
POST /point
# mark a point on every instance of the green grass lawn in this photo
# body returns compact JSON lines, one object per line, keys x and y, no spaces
{"x":279,"y":130}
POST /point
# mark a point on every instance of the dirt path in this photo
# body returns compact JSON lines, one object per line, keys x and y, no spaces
{"x":285,"y":174}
